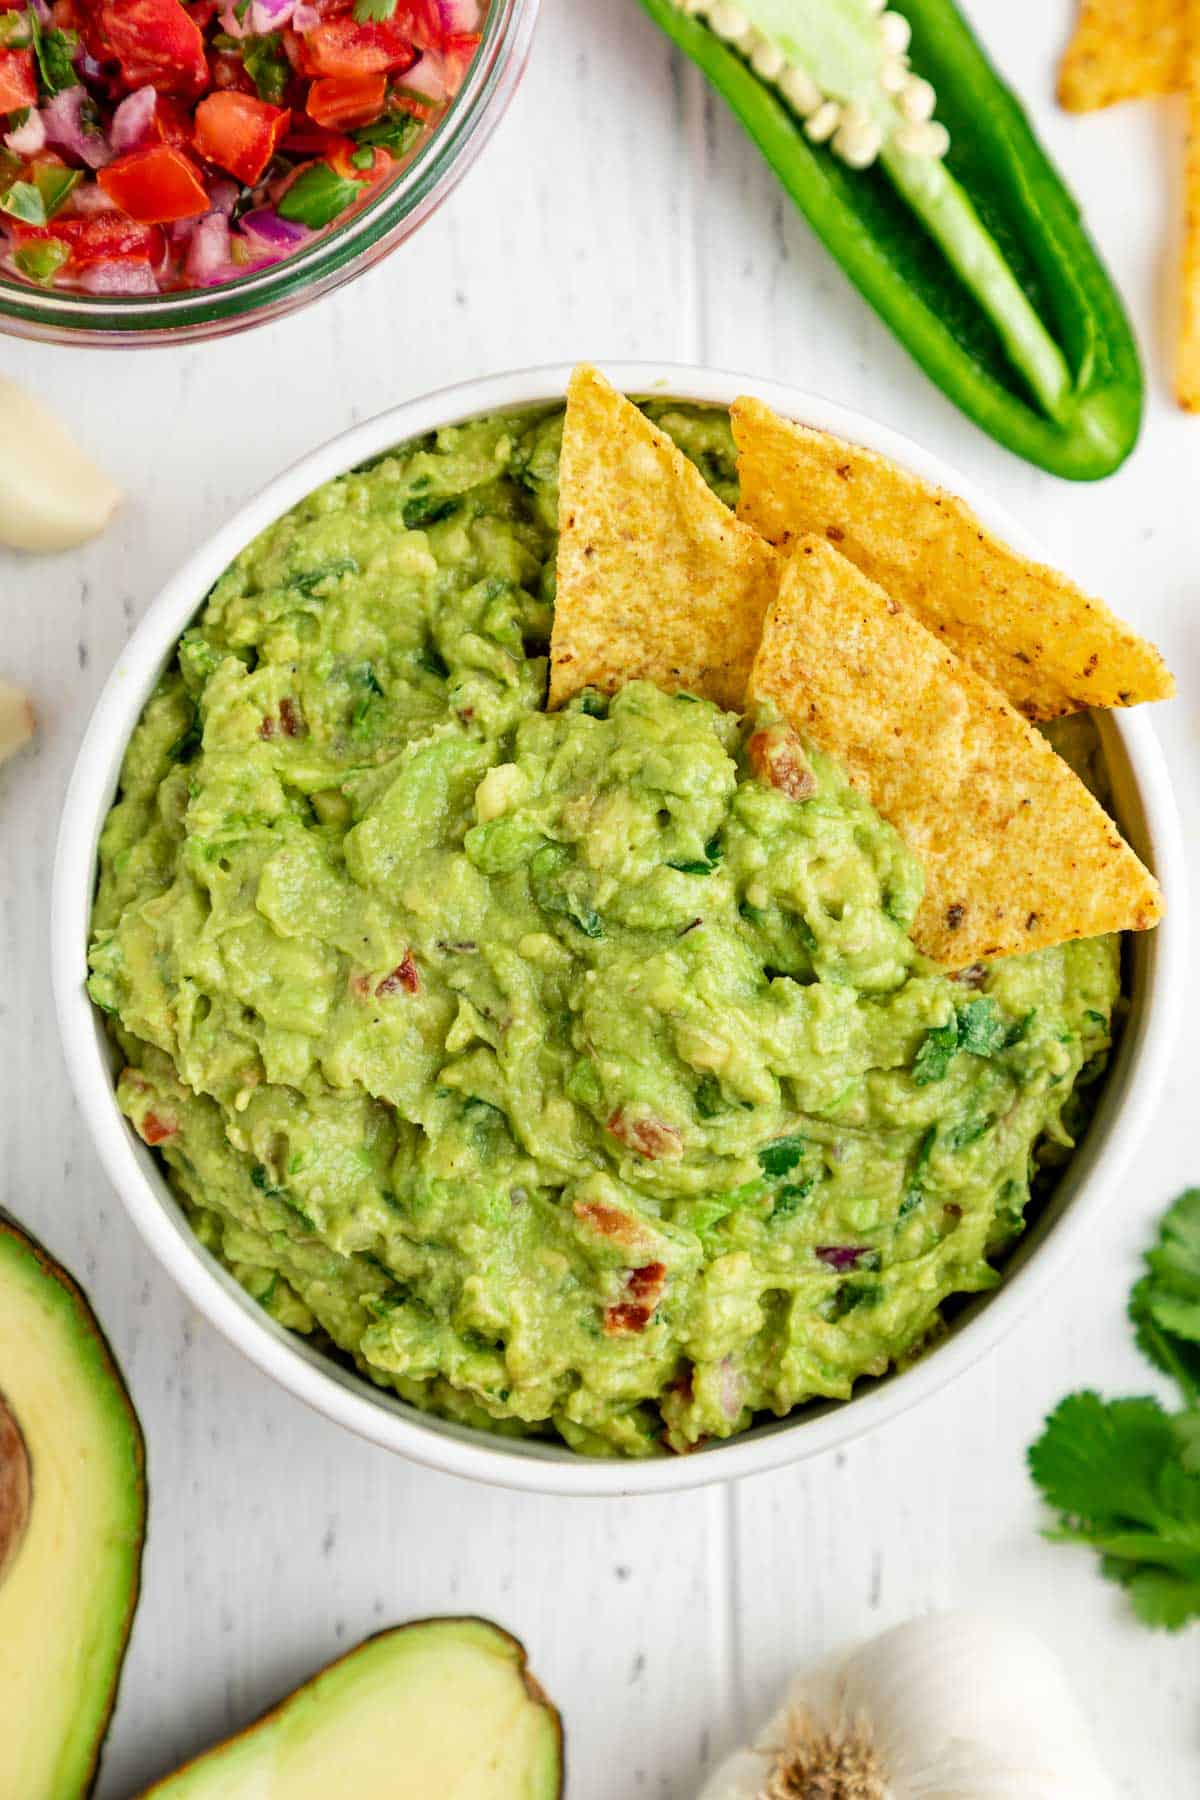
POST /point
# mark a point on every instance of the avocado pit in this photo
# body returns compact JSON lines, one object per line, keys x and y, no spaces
{"x":16,"y":1487}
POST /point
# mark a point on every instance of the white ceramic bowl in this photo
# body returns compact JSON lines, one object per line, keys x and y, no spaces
{"x":1147,"y":814}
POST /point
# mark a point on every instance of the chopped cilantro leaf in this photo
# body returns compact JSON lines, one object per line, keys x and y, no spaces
{"x":933,"y":1058}
{"x":790,"y":1197}
{"x":781,"y":1156}
{"x":710,"y":1102}
{"x":308,"y":580}
{"x":396,"y":133}
{"x":981,"y":1030}
{"x":428,"y":511}
{"x":53,"y":51}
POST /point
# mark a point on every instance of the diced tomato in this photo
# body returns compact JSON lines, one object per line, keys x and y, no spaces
{"x":18,"y":82}
{"x":307,"y":138}
{"x":100,"y":238}
{"x":229,"y":71}
{"x":155,"y":185}
{"x":346,"y":48}
{"x":645,"y":1135}
{"x":65,"y":15}
{"x":156,"y":1129}
{"x":777,"y":757}
{"x":240,"y":133}
{"x":403,"y":976}
{"x":644,"y":1290}
{"x":458,"y":53}
{"x":155,"y":41}
{"x":172,"y":122}
{"x":346,"y":100}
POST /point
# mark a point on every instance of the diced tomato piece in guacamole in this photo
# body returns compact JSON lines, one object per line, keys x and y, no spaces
{"x":239,"y":133}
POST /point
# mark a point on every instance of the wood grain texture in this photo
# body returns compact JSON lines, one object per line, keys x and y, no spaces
{"x":616,"y":213}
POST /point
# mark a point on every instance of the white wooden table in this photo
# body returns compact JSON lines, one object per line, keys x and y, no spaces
{"x":617,"y":213}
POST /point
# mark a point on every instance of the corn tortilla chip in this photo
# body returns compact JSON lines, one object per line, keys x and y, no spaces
{"x":1187,"y":366}
{"x":1017,"y":853}
{"x":657,"y":579}
{"x":1122,"y":50}
{"x":1028,"y":630}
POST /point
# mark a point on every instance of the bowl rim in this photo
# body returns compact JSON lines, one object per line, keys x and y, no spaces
{"x":347,"y":1398}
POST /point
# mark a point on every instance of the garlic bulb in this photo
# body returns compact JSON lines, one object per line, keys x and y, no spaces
{"x":16,"y":719}
{"x":952,"y":1707}
{"x":52,"y":496}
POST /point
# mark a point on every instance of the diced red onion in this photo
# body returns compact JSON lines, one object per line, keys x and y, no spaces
{"x":427,"y":77}
{"x":223,"y":195}
{"x":86,"y":64}
{"x":269,"y":15}
{"x":28,"y":138}
{"x":209,"y":249}
{"x":133,"y":122}
{"x":305,"y":17}
{"x":840,"y":1256}
{"x":63,"y":118}
{"x":459,"y":15}
{"x":119,"y":278}
{"x":265,"y":224}
{"x":42,"y":11}
{"x":87,"y":199}
{"x":230,"y":23}
{"x":731,"y":1389}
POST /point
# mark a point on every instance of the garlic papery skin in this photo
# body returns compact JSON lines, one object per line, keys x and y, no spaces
{"x":52,"y":496}
{"x":951,"y":1707}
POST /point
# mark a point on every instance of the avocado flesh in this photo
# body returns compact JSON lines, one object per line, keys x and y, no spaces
{"x":70,"y":1584}
{"x":443,"y":1707}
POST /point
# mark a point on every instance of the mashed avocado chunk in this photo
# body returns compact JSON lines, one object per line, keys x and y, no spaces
{"x":573,"y":1073}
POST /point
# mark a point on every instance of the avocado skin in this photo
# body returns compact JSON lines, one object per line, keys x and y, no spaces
{"x":13,"y":1234}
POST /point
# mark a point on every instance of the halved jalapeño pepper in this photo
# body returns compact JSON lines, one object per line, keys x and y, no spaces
{"x":916,"y":166}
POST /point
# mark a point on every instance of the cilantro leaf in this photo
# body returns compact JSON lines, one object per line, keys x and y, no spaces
{"x":780,"y":1156}
{"x":1165,"y":1304}
{"x":977,"y":1027}
{"x":395,"y":132}
{"x":53,"y":51}
{"x":981,"y":1030}
{"x":1113,"y":1472}
{"x":933,"y":1058}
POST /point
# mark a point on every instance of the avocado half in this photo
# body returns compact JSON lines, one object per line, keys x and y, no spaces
{"x":72,"y":1523}
{"x":442,"y":1709}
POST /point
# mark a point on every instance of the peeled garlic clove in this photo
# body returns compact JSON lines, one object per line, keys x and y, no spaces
{"x":16,"y":719}
{"x":964,"y":1707}
{"x":52,"y":496}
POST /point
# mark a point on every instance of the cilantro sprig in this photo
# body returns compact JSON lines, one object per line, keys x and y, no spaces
{"x":977,"y":1027}
{"x":1124,"y":1475}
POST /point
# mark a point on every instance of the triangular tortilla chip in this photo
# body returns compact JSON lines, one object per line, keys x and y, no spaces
{"x":1122,"y":51}
{"x":657,"y":579}
{"x":1017,"y":853}
{"x":1023,"y":627}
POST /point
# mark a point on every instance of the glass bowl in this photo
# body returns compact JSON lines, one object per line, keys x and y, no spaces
{"x":333,"y":257}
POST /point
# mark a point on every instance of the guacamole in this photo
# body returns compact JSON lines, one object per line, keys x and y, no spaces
{"x":573,"y":1073}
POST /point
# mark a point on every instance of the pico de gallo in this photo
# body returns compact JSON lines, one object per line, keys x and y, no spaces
{"x":157,"y":145}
